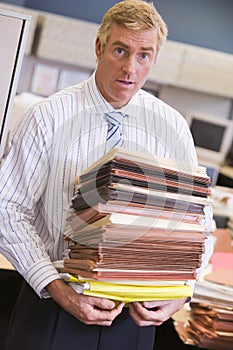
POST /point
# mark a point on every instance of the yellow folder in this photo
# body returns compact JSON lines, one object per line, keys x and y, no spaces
{"x":129,"y":292}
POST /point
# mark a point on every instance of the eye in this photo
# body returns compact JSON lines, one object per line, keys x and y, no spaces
{"x":120,"y":51}
{"x":144,"y":56}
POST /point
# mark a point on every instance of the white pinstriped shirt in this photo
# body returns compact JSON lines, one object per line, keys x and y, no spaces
{"x":56,"y":139}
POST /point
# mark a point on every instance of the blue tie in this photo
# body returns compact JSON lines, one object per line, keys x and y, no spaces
{"x":115,"y":135}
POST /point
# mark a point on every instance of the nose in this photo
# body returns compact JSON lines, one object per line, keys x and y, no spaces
{"x":129,"y":66}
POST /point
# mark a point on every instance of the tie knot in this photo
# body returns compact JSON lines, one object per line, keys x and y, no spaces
{"x":115,"y":132}
{"x":114,"y":118}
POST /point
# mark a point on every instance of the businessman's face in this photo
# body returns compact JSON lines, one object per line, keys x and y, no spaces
{"x":125,"y":62}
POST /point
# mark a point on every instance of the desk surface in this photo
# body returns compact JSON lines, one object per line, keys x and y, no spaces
{"x":5,"y":264}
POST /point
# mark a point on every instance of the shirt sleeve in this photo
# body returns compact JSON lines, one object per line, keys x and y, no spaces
{"x":23,"y":176}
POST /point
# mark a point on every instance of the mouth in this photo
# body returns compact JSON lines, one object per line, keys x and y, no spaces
{"x":126,"y":82}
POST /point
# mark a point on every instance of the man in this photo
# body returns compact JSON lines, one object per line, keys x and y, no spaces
{"x":56,"y":140}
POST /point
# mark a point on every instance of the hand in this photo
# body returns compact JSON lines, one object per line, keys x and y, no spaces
{"x":154,"y":313}
{"x":89,"y":310}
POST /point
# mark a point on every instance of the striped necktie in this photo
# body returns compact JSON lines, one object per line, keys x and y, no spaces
{"x":115,"y":135}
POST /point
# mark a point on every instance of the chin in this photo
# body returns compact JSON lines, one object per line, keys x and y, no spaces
{"x":125,"y":98}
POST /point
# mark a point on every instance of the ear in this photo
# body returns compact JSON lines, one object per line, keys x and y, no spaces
{"x":97,"y":48}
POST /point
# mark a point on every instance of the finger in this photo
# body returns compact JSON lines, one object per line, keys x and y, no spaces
{"x":104,"y":317}
{"x":141,"y":312}
{"x":143,"y":316}
{"x":157,"y":311}
{"x":138,"y":319}
{"x":109,"y":314}
{"x":104,"y":304}
{"x":120,"y":306}
{"x":154,"y":304}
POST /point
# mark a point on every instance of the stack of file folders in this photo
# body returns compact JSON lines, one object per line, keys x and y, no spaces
{"x":136,"y":227}
{"x":210,"y":323}
{"x":211,"y":326}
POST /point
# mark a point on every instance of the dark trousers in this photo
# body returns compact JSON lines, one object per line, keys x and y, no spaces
{"x":41,"y":324}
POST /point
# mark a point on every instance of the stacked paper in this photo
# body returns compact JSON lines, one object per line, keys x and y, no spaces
{"x":210,"y":324}
{"x":136,"y":221}
{"x":211,"y":319}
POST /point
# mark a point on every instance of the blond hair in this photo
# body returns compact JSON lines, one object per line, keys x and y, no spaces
{"x":135,"y":15}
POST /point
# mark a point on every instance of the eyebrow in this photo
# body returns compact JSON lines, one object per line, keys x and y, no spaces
{"x":120,"y":43}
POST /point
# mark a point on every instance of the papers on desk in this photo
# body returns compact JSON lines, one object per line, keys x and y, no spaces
{"x":211,"y":327}
{"x":211,"y":320}
{"x":136,"y":219}
{"x":222,"y":201}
